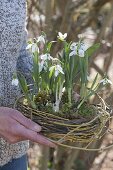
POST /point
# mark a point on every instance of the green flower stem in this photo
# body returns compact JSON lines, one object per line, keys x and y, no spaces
{"x":33,"y":104}
{"x":83,"y":91}
{"x":81,"y":103}
{"x":69,"y":95}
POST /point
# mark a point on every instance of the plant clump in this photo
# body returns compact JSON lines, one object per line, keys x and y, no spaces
{"x":55,"y":78}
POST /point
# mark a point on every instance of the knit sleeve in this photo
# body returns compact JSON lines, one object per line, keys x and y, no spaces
{"x":12,"y":46}
{"x":24,"y":62}
{"x":12,"y":38}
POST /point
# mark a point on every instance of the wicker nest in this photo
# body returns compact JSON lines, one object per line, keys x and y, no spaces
{"x":70,"y":132}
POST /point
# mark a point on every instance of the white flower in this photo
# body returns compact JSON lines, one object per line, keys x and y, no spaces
{"x":83,"y":46}
{"x":42,"y":65}
{"x":58,"y":69}
{"x":29,"y":46}
{"x":46,"y":56}
{"x":106,"y":81}
{"x":78,"y":49}
{"x":15,"y":82}
{"x":72,"y":53}
{"x":33,"y":47}
{"x":81,"y":52}
{"x":74,"y":46}
{"x":41,"y":39}
{"x":61,"y":36}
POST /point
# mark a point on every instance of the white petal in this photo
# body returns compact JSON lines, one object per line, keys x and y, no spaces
{"x":81,"y":53}
{"x":62,"y":71}
{"x":28,"y":46}
{"x":41,"y":65}
{"x":15,"y":82}
{"x":72,"y":53}
{"x":41,"y":39}
{"x":60,"y":34}
{"x":51,"y":68}
{"x":109,"y":81}
{"x":56,"y":73}
{"x":46,"y":57}
{"x":73,"y":46}
{"x":40,"y":68}
{"x":59,"y":68}
{"x":65,"y":35}
{"x":83,"y":47}
{"x":34,"y":48}
{"x":49,"y":57}
{"x":43,"y":57}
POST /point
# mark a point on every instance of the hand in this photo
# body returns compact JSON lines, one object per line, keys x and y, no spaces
{"x":14,"y":127}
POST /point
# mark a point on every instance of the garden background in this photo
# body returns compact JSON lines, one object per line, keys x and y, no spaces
{"x":94,"y":20}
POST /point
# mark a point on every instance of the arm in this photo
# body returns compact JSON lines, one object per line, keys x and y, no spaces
{"x":13,"y":125}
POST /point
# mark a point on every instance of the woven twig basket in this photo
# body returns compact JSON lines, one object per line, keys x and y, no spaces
{"x":67,"y":132}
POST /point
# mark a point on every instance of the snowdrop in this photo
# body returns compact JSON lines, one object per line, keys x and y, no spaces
{"x":106,"y":81}
{"x":78,"y":49}
{"x":46,"y":56}
{"x":73,"y":48}
{"x":15,"y":82}
{"x":61,"y":36}
{"x":33,"y":47}
{"x":41,"y":39}
{"x":42,"y":65}
{"x":58,"y":69}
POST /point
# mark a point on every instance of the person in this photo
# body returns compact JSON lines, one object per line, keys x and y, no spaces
{"x":15,"y":129}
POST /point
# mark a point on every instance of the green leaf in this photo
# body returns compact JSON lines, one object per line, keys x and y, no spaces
{"x":51,"y":71}
{"x":49,"y":45}
{"x":23,"y":83}
{"x":94,"y":81}
{"x":35,"y":71}
{"x":25,"y":90}
{"x":89,"y":52}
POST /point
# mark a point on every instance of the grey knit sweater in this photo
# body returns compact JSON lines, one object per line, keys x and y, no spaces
{"x":12,"y":55}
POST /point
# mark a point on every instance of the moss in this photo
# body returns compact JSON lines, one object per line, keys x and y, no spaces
{"x":44,"y":103}
{"x":42,"y":98}
{"x":87,"y":110}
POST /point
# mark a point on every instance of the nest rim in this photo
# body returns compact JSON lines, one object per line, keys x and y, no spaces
{"x":104,"y":115}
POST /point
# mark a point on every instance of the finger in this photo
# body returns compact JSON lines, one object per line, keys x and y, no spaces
{"x":25,"y":121}
{"x":43,"y":141}
{"x":28,"y":134}
{"x":16,"y":115}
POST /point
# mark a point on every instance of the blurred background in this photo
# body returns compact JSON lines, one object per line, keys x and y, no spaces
{"x":94,"y":20}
